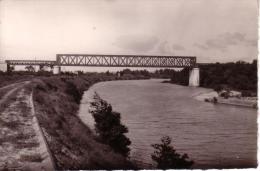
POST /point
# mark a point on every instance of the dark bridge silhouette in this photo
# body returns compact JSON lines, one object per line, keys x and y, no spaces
{"x":112,"y":61}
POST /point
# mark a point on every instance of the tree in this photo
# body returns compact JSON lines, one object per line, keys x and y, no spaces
{"x":30,"y":68}
{"x":41,"y":67}
{"x":109,"y":127}
{"x":238,"y":76}
{"x":10,"y":68}
{"x":51,"y":67}
{"x":167,"y":158}
{"x":181,"y":77}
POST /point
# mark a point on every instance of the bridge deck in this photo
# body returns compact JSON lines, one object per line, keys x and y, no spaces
{"x":30,"y":62}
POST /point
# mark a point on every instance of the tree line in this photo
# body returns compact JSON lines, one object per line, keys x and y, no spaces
{"x":241,"y":76}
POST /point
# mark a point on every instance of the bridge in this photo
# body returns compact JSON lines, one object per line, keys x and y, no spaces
{"x":30,"y":62}
{"x":115,"y":61}
{"x":112,"y":61}
{"x":125,"y":61}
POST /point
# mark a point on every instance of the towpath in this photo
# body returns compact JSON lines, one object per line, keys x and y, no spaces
{"x":22,"y":145}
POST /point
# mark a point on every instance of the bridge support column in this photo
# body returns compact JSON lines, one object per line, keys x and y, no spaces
{"x":8,"y":68}
{"x":118,"y":74}
{"x":56,"y":69}
{"x":194,"y":77}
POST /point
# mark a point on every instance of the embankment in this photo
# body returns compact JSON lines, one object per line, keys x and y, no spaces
{"x":234,"y":101}
{"x":7,"y":79}
{"x":72,"y":144}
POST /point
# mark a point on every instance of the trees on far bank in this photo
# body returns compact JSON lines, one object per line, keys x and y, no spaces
{"x":239,"y":76}
{"x":30,"y":68}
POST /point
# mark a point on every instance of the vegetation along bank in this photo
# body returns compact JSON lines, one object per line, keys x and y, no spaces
{"x":71,"y":142}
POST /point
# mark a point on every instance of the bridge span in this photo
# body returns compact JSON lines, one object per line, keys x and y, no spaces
{"x":117,"y":61}
{"x":31,"y":62}
{"x":113,"y":61}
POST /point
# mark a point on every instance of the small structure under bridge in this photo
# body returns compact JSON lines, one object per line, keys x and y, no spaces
{"x":116,"y":61}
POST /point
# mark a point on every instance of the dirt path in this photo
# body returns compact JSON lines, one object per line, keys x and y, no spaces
{"x":22,"y":145}
{"x":7,"y":91}
{"x":13,"y":85}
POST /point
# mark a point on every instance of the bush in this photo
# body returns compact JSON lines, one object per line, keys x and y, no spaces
{"x":181,"y":77}
{"x":246,"y":93}
{"x":215,"y":100}
{"x":167,"y":157}
{"x":31,"y":158}
{"x":109,"y":127}
{"x":72,"y":90}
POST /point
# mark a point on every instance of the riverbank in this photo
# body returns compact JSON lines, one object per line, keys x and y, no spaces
{"x":201,"y":96}
{"x":71,"y":142}
{"x":213,"y":96}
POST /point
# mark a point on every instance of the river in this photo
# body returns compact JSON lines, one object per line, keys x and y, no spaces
{"x":214,"y":136}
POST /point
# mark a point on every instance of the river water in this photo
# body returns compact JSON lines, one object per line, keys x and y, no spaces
{"x":214,"y":136}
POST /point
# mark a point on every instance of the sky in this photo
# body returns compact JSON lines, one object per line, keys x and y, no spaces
{"x":211,"y":30}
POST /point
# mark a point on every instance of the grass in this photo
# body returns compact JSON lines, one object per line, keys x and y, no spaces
{"x":71,"y":142}
{"x":8,"y":101}
{"x":56,"y":100}
{"x":31,"y":158}
{"x":11,"y":125}
{"x":7,"y":79}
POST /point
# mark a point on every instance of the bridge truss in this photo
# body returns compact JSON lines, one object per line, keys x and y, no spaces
{"x":30,"y":62}
{"x":125,"y":60}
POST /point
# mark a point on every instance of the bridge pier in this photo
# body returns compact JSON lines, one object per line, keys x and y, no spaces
{"x":194,"y":77}
{"x":8,"y":68}
{"x":56,"y":69}
{"x":118,"y":74}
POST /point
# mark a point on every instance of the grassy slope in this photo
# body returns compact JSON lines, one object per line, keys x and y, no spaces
{"x":6,"y":79}
{"x":71,"y":142}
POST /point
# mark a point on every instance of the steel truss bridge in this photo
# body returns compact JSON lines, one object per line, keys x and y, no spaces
{"x":112,"y":61}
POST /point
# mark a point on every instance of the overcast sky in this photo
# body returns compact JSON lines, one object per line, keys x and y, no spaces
{"x":212,"y":30}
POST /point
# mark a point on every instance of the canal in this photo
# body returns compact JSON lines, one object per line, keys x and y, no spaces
{"x":214,"y":136}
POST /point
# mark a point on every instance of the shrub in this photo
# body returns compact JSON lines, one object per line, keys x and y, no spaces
{"x":181,"y":77}
{"x":206,"y":100}
{"x":167,"y":157}
{"x":40,"y":87}
{"x":72,"y":90}
{"x":215,"y":100}
{"x":109,"y":127}
{"x":246,"y":93}
{"x":31,"y":158}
